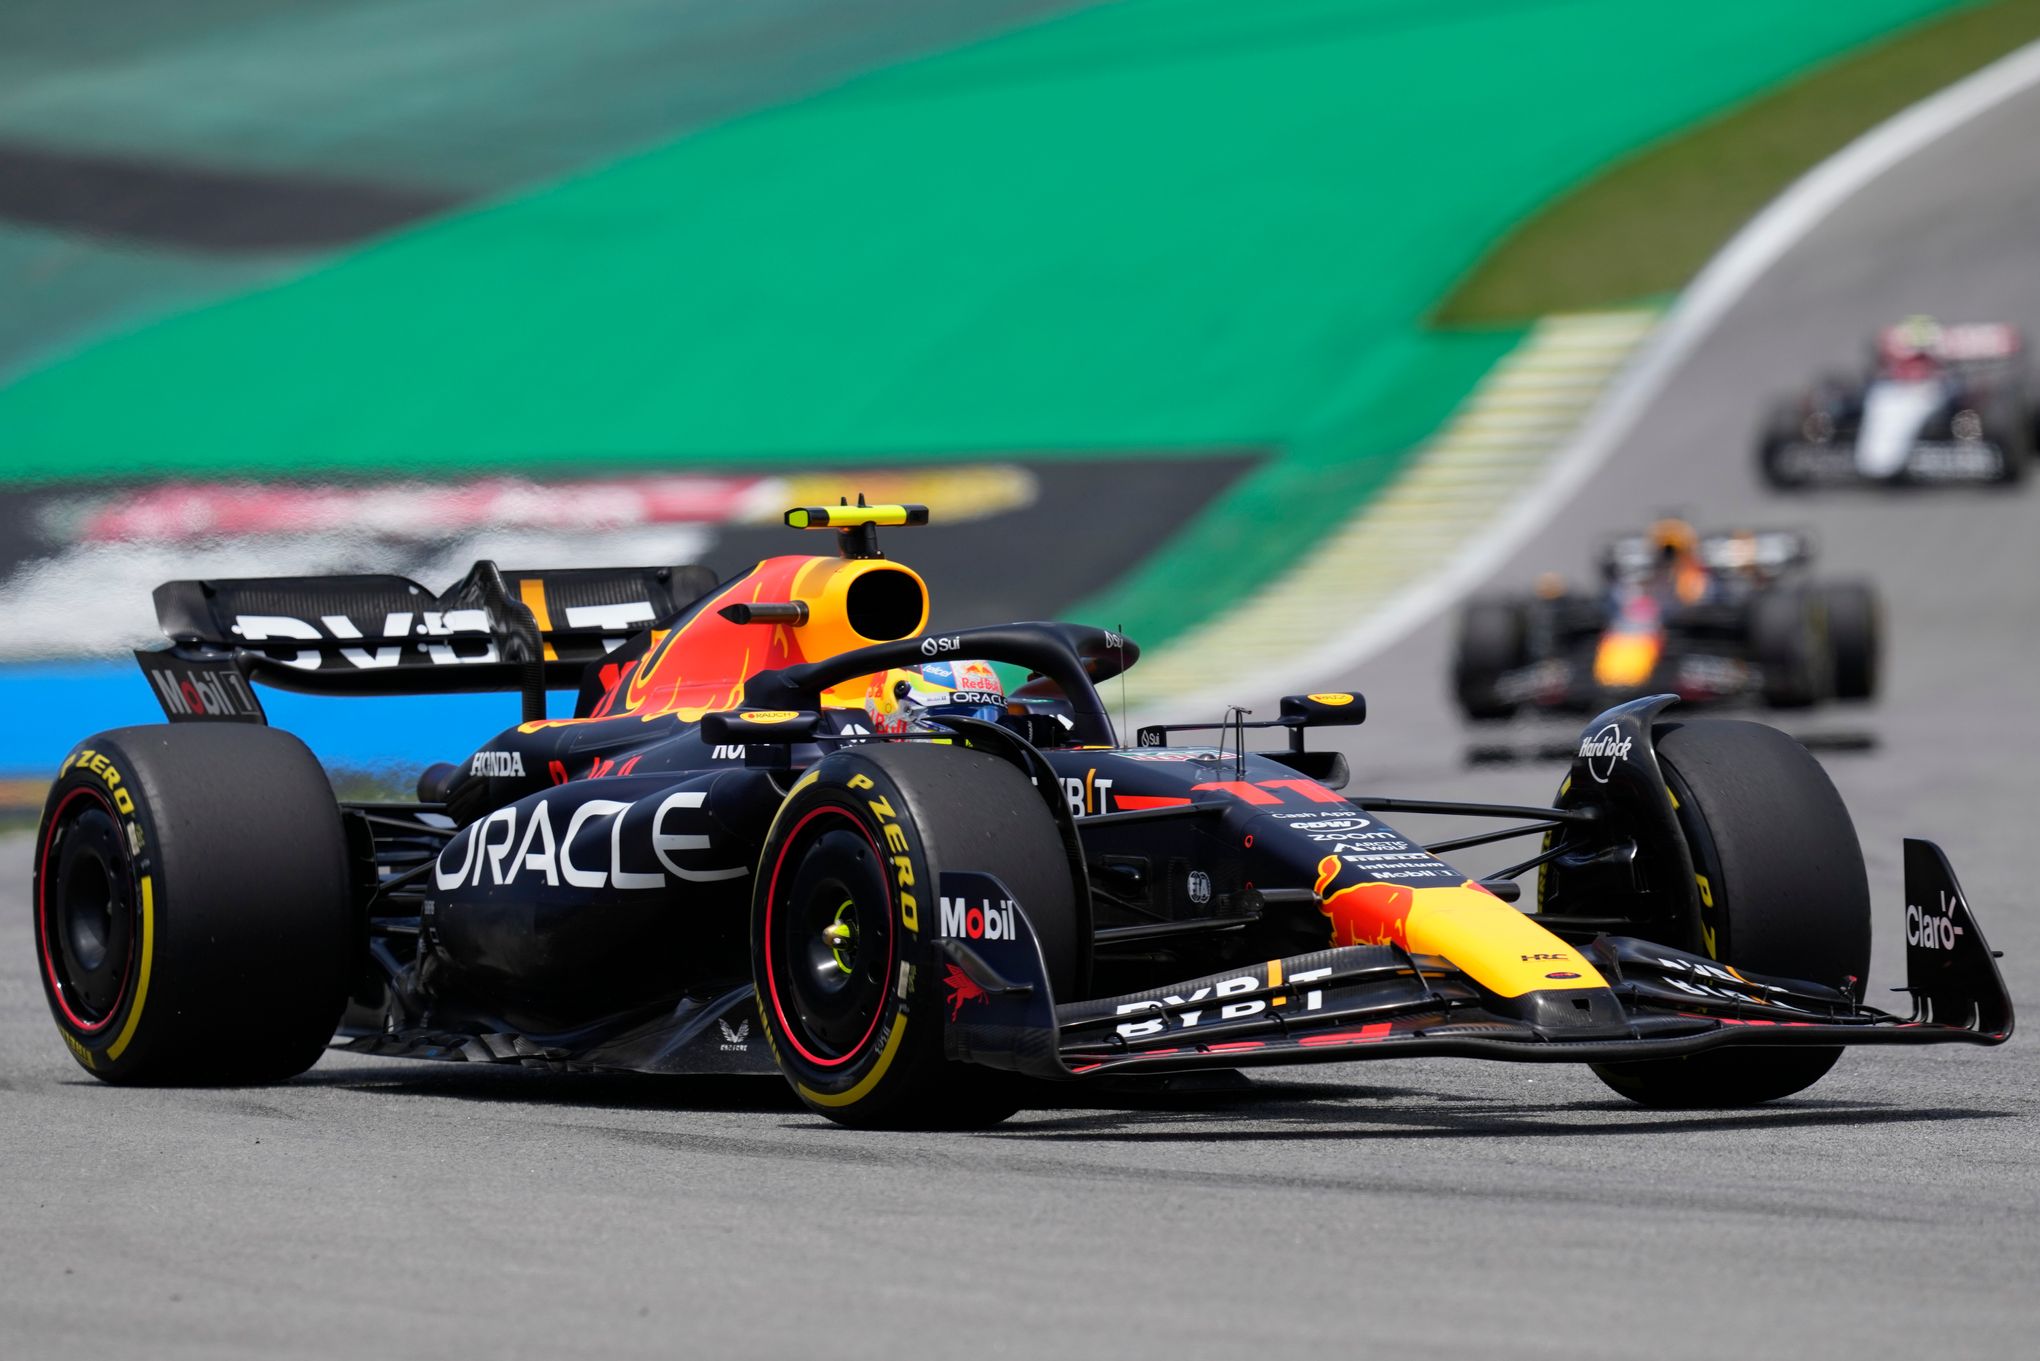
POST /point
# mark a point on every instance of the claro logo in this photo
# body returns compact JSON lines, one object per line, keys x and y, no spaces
{"x":1932,"y":929}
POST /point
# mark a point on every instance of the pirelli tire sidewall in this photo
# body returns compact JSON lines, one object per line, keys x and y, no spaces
{"x":232,"y":875}
{"x":850,"y":789}
{"x":917,"y":803}
{"x":93,"y":785}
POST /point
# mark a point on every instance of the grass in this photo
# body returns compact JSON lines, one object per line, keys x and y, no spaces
{"x":1642,"y":228}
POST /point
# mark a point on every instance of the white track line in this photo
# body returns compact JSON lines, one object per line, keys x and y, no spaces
{"x":1727,"y":277}
{"x":1484,"y":459}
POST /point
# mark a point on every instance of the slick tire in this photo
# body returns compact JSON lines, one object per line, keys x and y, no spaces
{"x":193,"y":921}
{"x":1855,"y":637}
{"x":1788,"y":639}
{"x":2005,"y":420}
{"x":1782,"y":890}
{"x":845,"y":907}
{"x":1785,"y":427}
{"x":1492,"y":642}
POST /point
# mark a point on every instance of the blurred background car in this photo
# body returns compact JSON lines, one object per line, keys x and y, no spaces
{"x":1710,"y":618}
{"x":1936,"y":404}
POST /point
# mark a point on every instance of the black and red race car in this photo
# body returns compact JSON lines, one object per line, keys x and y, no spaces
{"x":1936,"y":405}
{"x":720,"y":862}
{"x":1723,"y":617}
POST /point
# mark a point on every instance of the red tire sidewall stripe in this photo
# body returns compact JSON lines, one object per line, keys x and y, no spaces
{"x":42,"y":926}
{"x":771,"y":902}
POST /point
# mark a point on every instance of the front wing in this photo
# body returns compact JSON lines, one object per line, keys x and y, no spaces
{"x":1931,"y":461}
{"x":1379,"y":1001}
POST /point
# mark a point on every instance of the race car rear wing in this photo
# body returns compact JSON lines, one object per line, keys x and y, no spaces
{"x":496,"y":630}
{"x":1630,"y":556}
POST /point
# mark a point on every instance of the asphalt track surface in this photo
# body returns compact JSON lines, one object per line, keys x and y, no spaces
{"x":379,"y":1208}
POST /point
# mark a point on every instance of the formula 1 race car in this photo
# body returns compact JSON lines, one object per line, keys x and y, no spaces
{"x":1938,"y":404}
{"x":1722,"y":617}
{"x":718,"y":864}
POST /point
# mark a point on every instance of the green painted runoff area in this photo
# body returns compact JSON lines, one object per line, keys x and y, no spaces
{"x":1646,"y":225}
{"x":1156,"y":226}
{"x":468,"y":99}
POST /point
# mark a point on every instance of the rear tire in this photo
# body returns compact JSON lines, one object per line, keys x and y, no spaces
{"x":1493,"y":640}
{"x":1783,"y":892}
{"x":847,"y":897}
{"x":192,"y":914}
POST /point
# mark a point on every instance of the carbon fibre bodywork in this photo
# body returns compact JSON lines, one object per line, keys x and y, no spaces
{"x":579,"y":891}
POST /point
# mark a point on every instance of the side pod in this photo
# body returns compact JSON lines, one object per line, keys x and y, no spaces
{"x":1950,"y":969}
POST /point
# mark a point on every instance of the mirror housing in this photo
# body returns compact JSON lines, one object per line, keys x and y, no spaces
{"x":1324,"y":709}
{"x":772,"y":727}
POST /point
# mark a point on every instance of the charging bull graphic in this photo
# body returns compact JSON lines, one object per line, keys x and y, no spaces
{"x":1367,"y":912}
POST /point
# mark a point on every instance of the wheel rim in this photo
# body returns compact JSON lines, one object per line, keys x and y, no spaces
{"x":829,"y":936}
{"x":86,"y":914}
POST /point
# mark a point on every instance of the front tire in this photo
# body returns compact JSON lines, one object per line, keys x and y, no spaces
{"x":192,"y":916}
{"x":1788,"y":640}
{"x":1783,"y":891}
{"x":1493,"y":640}
{"x":1785,"y":427}
{"x":1855,"y":637}
{"x":845,"y":915}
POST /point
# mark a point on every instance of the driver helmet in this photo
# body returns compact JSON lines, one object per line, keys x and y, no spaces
{"x":1673,"y":540}
{"x":1678,"y":558}
{"x":1911,"y":350}
{"x":911,"y":697}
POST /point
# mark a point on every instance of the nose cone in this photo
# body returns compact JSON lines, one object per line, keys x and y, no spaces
{"x":1497,"y":947}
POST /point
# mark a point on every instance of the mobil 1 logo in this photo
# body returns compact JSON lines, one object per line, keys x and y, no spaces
{"x":979,"y":911}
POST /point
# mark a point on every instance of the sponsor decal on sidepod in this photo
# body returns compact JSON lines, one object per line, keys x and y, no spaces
{"x":538,"y":850}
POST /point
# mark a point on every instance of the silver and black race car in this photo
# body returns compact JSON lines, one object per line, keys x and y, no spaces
{"x":1731,"y":616}
{"x":1938,"y":404}
{"x":740,"y":853}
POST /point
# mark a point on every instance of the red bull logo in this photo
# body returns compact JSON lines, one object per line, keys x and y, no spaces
{"x":1491,"y":942}
{"x":1369,"y":913}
